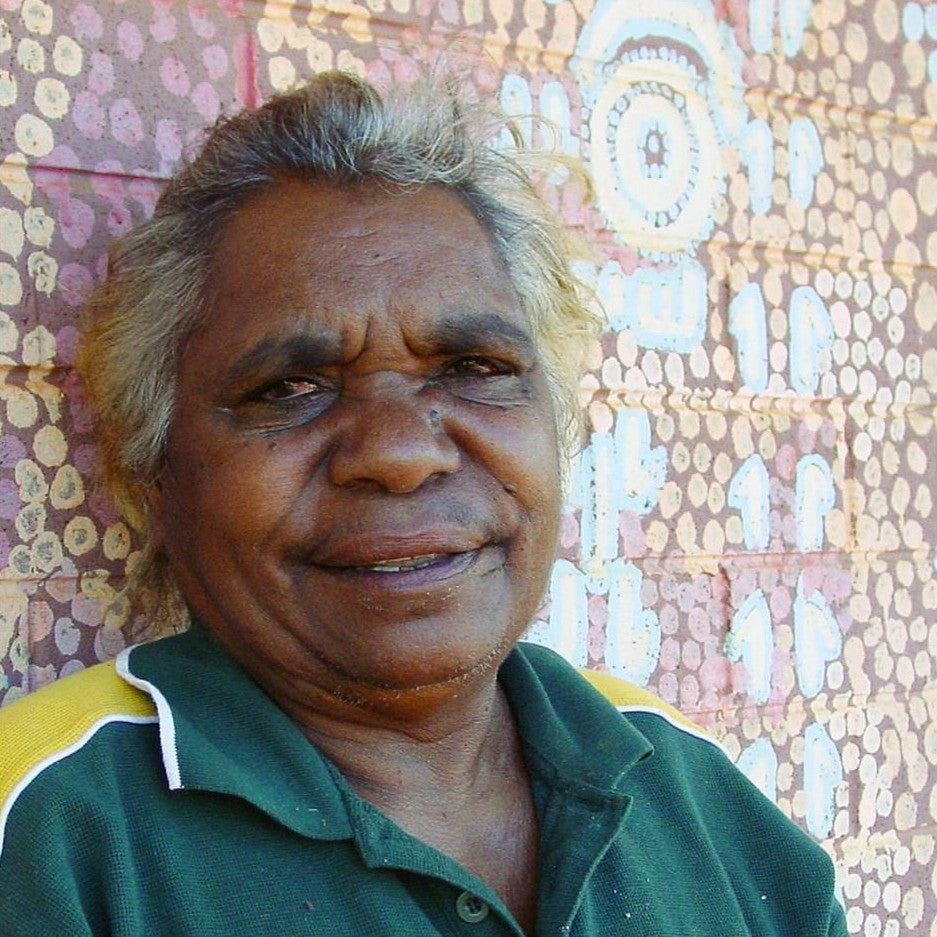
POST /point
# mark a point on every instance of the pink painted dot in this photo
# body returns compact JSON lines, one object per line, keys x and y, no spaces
{"x":145,"y":193}
{"x":88,"y":115}
{"x":698,"y":623}
{"x":667,"y":687}
{"x":174,"y":76}
{"x":40,"y":620}
{"x":67,"y":636}
{"x":87,"y":22}
{"x":201,"y":24}
{"x":130,"y":41}
{"x":163,"y":27}
{"x":690,"y":654}
{"x":714,"y":674}
{"x":106,"y":183}
{"x":378,"y":73}
{"x":76,"y":222}
{"x":101,"y":73}
{"x":780,"y":603}
{"x":234,"y":8}
{"x":215,"y":60}
{"x":11,"y":6}
{"x":595,"y":641}
{"x":167,"y":140}
{"x":79,"y":410}
{"x":87,"y":610}
{"x":597,"y":610}
{"x":569,"y":531}
{"x":119,"y":220}
{"x":66,"y":339}
{"x":669,"y":654}
{"x":101,"y":508}
{"x":689,"y":692}
{"x":84,"y":458}
{"x":668,"y":619}
{"x":406,"y":70}
{"x":126,"y":126}
{"x":11,"y":450}
{"x":648,"y":592}
{"x":448,"y":10}
{"x":75,"y":284}
{"x":206,"y":102}
{"x":54,"y":183}
{"x":786,"y":461}
{"x":10,"y":503}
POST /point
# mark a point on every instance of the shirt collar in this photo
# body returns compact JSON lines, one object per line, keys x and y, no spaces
{"x":220,"y":732}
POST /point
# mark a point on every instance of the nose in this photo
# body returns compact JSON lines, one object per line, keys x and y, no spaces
{"x":396,"y":444}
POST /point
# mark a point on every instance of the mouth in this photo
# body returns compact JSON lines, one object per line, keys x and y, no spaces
{"x":416,"y":571}
{"x":406,"y":564}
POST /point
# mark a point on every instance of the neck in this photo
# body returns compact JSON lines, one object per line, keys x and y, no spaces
{"x":448,"y":751}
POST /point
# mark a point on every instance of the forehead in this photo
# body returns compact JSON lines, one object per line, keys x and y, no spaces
{"x":343,"y":255}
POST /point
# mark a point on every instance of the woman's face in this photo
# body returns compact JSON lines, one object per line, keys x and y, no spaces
{"x":361,"y":488}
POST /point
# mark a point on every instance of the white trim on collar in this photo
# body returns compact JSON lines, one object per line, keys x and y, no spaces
{"x":167,"y":725}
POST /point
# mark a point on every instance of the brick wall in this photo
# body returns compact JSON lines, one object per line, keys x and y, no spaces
{"x":751,"y":528}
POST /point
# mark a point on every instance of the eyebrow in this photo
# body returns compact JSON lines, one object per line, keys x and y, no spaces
{"x":310,"y":350}
{"x":458,"y":333}
{"x":466,"y":332}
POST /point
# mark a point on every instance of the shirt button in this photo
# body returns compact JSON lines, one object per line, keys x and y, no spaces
{"x":471,"y":908}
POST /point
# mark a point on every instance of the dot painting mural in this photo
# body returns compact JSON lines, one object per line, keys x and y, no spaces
{"x":751,"y":527}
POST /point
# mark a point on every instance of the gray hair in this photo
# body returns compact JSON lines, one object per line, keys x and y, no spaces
{"x":340,"y":129}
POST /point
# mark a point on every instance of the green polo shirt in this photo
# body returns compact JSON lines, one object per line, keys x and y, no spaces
{"x":165,"y":795}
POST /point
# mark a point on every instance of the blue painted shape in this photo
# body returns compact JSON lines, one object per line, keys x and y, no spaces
{"x":794,"y":16}
{"x":633,"y":635}
{"x":912,"y":22}
{"x":554,"y":106}
{"x":516,"y":101}
{"x":817,"y":639}
{"x":750,"y":641}
{"x":761,"y":24}
{"x":930,"y":20}
{"x":617,"y":471}
{"x":566,"y":628}
{"x":805,"y":155}
{"x":811,"y":333}
{"x":748,"y":494}
{"x":758,"y":153}
{"x":644,"y":466}
{"x":814,"y":496}
{"x":759,"y":763}
{"x":665,"y":307}
{"x":748,"y":326}
{"x":823,"y":773}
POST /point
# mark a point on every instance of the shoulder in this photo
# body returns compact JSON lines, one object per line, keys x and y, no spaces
{"x":636,"y":701}
{"x":58,"y":722}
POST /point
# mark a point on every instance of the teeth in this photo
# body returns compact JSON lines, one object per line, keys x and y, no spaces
{"x":404,"y":563}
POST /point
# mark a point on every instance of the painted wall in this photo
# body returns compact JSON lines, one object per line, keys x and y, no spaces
{"x":751,"y":529}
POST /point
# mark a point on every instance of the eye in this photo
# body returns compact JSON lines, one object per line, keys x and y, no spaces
{"x":287,"y":389}
{"x":479,"y":366}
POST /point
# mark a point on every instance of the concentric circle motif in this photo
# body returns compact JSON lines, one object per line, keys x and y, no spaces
{"x":661,"y":82}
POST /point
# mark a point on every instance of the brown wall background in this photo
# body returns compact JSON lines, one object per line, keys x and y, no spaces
{"x":751,"y":531}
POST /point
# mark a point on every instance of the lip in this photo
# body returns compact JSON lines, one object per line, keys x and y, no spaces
{"x":446,"y":567}
{"x":371,"y":548}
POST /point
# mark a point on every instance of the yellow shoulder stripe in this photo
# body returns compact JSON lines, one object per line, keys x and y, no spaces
{"x":628,"y":696}
{"x":57,"y":720}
